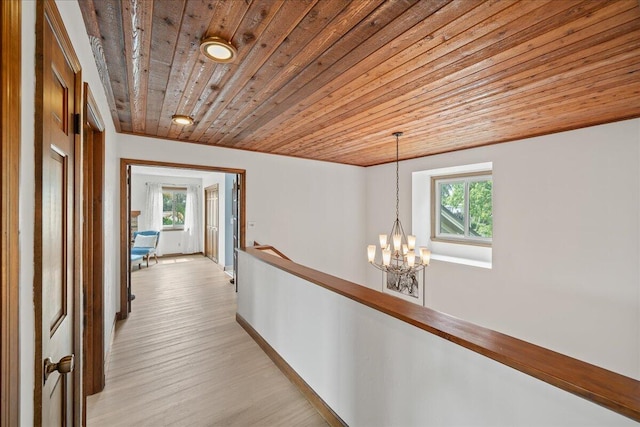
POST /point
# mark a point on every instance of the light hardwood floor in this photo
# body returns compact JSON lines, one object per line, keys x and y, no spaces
{"x":182,"y":360}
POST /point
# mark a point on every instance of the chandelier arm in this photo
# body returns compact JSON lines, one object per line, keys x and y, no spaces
{"x":399,"y":269}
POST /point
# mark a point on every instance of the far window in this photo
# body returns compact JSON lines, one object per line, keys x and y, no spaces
{"x":174,"y":201}
{"x":462,"y":208}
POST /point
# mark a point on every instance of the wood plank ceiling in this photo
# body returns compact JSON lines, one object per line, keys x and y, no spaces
{"x":332,"y":79}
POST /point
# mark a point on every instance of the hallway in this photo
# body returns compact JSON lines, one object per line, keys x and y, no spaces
{"x":181,"y":359}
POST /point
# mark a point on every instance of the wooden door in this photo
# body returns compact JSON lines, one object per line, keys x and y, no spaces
{"x":57,"y":247}
{"x":208,"y":247}
{"x":212,"y":216}
{"x":215,"y":221}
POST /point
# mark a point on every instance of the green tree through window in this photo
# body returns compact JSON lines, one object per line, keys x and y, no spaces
{"x":481,"y":208}
{"x":464,"y":207}
{"x":174,"y":201}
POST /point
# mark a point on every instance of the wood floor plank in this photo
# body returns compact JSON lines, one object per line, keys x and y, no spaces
{"x":181,"y":359}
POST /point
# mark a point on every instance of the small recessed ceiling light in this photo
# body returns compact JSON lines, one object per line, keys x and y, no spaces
{"x":217,"y":49}
{"x":180,"y":119}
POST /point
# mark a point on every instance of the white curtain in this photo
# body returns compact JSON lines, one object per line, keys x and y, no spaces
{"x":192,"y":222}
{"x":152,"y":213}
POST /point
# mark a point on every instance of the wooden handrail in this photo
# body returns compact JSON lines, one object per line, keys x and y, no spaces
{"x":609,"y":389}
{"x":267,"y":249}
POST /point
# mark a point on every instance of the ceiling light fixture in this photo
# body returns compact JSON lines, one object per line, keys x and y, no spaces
{"x":218,"y":49}
{"x":181,"y":119}
{"x":404,"y":260}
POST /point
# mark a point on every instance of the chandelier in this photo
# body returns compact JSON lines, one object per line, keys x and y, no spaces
{"x":400,"y":258}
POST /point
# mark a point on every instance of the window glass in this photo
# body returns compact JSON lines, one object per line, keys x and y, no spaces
{"x":167,"y":209}
{"x":180,"y":201}
{"x":481,"y":208}
{"x":452,"y":208}
{"x":463,"y":208}
{"x":173,"y":208}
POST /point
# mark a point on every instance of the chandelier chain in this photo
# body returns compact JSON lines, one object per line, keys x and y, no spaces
{"x":397,"y":177}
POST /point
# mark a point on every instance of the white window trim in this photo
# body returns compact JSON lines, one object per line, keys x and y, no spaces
{"x":465,"y":178}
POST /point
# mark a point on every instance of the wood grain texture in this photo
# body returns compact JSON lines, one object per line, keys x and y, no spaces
{"x":181,"y":358}
{"x":270,"y":250}
{"x":53,"y":39}
{"x":10,"y":113}
{"x":107,"y":43}
{"x":330,"y":80}
{"x":193,"y":23}
{"x":136,"y":16}
{"x":603,"y":387}
{"x":89,"y":15}
{"x":93,"y":244}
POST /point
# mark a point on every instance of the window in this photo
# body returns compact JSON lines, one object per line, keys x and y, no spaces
{"x":174,"y":201}
{"x":462,"y":208}
{"x":476,"y":253}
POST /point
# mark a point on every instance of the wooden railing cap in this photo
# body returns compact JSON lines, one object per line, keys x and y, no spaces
{"x":609,"y":389}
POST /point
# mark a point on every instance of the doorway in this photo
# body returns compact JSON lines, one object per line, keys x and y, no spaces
{"x":212,"y":222}
{"x":125,"y":217}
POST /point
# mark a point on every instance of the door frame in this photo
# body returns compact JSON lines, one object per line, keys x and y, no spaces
{"x":93,"y":135}
{"x":125,"y":267}
{"x":10,"y":116}
{"x":47,"y":11}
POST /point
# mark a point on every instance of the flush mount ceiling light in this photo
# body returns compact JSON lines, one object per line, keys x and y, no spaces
{"x":217,"y":49}
{"x":180,"y":119}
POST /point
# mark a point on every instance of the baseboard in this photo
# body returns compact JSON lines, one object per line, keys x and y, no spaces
{"x":177,"y":254}
{"x":228,"y":267}
{"x":316,"y":401}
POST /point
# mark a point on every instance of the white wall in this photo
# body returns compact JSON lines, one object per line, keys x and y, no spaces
{"x":375,"y":370}
{"x":566,"y":240}
{"x":311,"y":211}
{"x":72,"y":18}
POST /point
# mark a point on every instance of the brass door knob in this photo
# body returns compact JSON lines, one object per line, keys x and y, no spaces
{"x":64,"y":366}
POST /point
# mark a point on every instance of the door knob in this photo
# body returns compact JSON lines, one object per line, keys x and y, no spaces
{"x":64,"y":366}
